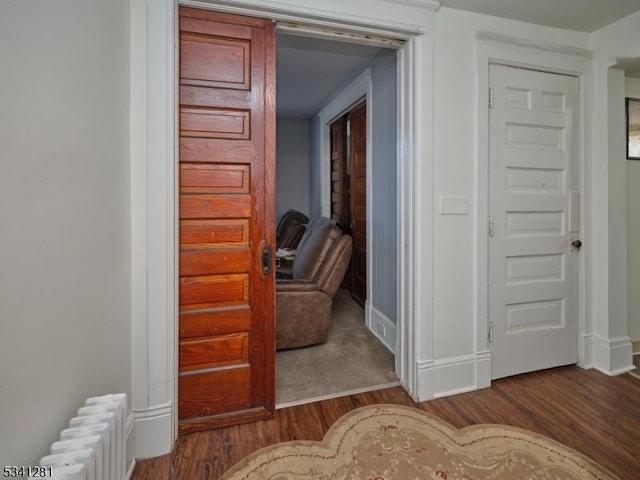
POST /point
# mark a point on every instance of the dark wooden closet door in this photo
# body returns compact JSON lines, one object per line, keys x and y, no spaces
{"x":349,"y":192}
{"x":226,"y":300}
{"x":358,"y":121}
{"x":340,"y":203}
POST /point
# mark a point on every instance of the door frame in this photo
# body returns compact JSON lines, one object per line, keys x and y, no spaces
{"x":361,"y":87}
{"x":494,"y":49}
{"x":154,"y":194}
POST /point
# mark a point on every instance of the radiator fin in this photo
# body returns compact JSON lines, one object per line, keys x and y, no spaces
{"x":94,"y":445}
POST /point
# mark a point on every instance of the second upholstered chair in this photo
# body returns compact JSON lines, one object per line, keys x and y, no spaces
{"x":290,"y":227}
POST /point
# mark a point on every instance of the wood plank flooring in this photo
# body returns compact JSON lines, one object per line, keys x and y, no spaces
{"x":595,"y":414}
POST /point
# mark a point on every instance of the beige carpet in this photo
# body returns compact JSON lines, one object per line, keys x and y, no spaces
{"x":391,"y":442}
{"x":352,"y":359}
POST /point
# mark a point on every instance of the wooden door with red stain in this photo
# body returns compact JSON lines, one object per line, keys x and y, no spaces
{"x":349,"y":192}
{"x":227,"y":201}
{"x":358,"y":145}
{"x":340,"y":187}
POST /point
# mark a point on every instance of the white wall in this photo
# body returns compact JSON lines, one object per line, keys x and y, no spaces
{"x":633,"y":230}
{"x":455,"y":174}
{"x":64,"y":215}
{"x":292,"y":164}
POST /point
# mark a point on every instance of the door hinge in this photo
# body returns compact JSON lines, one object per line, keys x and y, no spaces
{"x":490,"y":97}
{"x":491,"y":225}
{"x":490,"y":332}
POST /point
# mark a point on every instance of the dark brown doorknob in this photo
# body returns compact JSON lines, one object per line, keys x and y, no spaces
{"x":576,"y":244}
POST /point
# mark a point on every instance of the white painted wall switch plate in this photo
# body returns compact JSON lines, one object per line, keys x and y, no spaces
{"x":454,"y":205}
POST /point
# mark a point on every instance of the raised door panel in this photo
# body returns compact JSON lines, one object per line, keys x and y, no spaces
{"x":339,"y":194}
{"x":226,"y":209}
{"x":214,"y":123}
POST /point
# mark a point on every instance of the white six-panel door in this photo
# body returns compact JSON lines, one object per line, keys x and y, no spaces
{"x":533,"y":203}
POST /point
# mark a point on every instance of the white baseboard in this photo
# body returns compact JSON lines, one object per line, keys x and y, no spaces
{"x":131,"y":469}
{"x":454,"y":375}
{"x":483,"y":369}
{"x":153,"y":431}
{"x":612,"y":356}
{"x":424,"y":381}
{"x":381,"y":326}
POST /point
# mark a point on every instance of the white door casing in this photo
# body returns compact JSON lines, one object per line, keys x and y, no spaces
{"x":534,"y":209}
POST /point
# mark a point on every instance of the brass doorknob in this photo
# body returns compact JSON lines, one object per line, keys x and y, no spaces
{"x":576,"y":244}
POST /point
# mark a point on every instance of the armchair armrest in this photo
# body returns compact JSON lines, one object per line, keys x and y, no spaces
{"x":287,"y":285}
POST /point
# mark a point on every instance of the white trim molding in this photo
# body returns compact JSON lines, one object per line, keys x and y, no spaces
{"x":153,"y":199}
{"x":381,"y":326}
{"x":386,"y":18}
{"x":611,"y":356}
{"x":153,"y":431}
{"x":455,"y":375}
{"x":425,"y":380}
{"x":502,"y":41}
{"x":153,"y":185}
{"x":515,"y":52}
{"x":414,"y":317}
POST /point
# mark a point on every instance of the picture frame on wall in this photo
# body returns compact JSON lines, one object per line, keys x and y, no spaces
{"x":633,"y":128}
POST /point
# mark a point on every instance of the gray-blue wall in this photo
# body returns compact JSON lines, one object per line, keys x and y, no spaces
{"x":292,"y":164}
{"x":384,"y":187}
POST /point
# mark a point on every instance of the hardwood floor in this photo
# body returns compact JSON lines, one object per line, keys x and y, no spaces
{"x":595,"y":414}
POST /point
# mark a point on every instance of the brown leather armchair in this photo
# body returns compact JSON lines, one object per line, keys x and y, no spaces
{"x":304,"y":301}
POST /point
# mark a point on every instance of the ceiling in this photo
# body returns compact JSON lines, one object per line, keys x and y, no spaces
{"x":311,"y":70}
{"x":580,"y":15}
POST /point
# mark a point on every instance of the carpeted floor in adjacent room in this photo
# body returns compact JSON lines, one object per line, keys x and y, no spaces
{"x":352,"y":359}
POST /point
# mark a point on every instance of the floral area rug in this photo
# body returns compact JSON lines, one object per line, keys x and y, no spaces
{"x":391,"y":442}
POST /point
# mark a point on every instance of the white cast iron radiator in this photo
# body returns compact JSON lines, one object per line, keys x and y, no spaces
{"x":94,"y":445}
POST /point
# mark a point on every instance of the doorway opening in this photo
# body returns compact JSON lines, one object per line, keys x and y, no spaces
{"x":315,"y":80}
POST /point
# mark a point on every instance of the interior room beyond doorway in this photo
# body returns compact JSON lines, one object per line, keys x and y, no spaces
{"x":311,"y":74}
